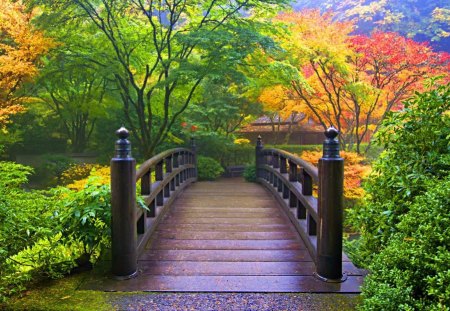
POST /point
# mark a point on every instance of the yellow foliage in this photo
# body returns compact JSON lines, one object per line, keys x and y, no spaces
{"x":102,"y":173}
{"x":278,"y":99}
{"x":355,"y":170}
{"x":242,"y":141}
{"x":21,"y":46}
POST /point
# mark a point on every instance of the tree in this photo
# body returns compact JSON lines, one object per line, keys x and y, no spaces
{"x":224,"y":107}
{"x":77,"y":95}
{"x":279,"y":105}
{"x":21,"y":46}
{"x":163,"y":50}
{"x":317,"y":54}
{"x":393,"y":67}
{"x":352,"y":82}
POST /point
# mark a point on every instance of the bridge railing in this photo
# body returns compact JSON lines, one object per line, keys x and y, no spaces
{"x":318,"y":219}
{"x":161,"y":178}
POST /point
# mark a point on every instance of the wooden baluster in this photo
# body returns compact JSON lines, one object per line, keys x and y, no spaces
{"x":286,"y":191}
{"x":312,"y":225}
{"x":194,"y":158}
{"x":176,"y":166}
{"x":301,"y":210}
{"x":146,"y":183}
{"x":168,"y":166}
{"x":159,"y":177}
{"x":152,"y":209}
{"x":169,"y":169}
{"x":293,"y":201}
{"x":275,"y":160}
{"x":283,"y":165}
{"x":307,"y":182}
{"x":181,"y":159}
{"x":292,"y":172}
{"x":141,"y":224}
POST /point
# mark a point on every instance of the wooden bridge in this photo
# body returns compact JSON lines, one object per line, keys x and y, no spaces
{"x":229,"y":235}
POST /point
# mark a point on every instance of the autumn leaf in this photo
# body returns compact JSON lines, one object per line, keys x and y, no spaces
{"x":21,"y":46}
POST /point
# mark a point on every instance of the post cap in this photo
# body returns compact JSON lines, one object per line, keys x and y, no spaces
{"x":331,"y":133}
{"x":331,"y":144}
{"x":123,"y":145}
{"x":122,"y":133}
{"x":259,"y":141}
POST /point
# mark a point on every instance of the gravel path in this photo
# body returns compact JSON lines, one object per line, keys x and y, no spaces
{"x":233,"y":301}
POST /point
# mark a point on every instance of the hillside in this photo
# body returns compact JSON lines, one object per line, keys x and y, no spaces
{"x":422,"y":20}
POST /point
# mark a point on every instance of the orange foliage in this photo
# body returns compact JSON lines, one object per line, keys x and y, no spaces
{"x":20,"y":48}
{"x":352,"y":82}
{"x":354,"y":171}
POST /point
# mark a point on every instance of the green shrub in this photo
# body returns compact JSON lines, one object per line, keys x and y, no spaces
{"x":85,"y":216}
{"x":404,"y":221}
{"x":208,"y":168}
{"x":412,"y":271}
{"x":44,"y":234}
{"x":250,"y":173}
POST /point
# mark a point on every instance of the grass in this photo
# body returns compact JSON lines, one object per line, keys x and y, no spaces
{"x":59,"y":295}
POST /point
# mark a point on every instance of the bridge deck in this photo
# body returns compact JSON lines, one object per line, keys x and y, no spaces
{"x":229,"y":236}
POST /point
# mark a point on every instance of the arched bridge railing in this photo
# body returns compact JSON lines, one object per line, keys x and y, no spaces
{"x":160,"y":178}
{"x":318,"y":219}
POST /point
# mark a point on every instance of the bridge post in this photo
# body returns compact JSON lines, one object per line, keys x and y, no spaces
{"x":259,"y":159}
{"x":330,"y":227}
{"x":123,"y":200}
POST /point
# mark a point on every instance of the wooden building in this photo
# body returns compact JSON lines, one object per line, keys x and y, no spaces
{"x":297,"y":129}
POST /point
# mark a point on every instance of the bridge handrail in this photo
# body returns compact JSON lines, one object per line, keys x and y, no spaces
{"x":162,"y":178}
{"x":308,"y":167}
{"x":150,"y":163}
{"x":317,"y":219}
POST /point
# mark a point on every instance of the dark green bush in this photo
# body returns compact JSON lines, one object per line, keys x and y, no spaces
{"x":297,"y":149}
{"x":208,"y":168}
{"x":49,"y":173}
{"x":224,"y":150}
{"x":404,"y":223}
{"x":250,"y":173}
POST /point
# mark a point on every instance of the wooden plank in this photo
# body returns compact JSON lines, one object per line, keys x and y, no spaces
{"x":223,"y":227}
{"x":230,"y":283}
{"x":227,"y":244}
{"x":233,"y":268}
{"x":230,"y":202}
{"x":174,"y":220}
{"x":186,"y":213}
{"x":227,"y":255}
{"x":211,"y":235}
{"x":220,"y":210}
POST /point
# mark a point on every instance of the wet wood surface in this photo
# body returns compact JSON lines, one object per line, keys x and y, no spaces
{"x":228,"y":236}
